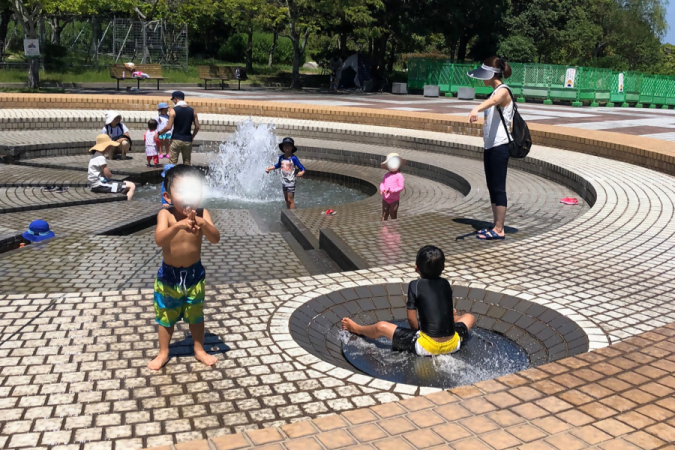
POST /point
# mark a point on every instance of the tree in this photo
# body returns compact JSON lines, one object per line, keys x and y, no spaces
{"x":28,"y":13}
{"x":301,"y":18}
{"x":518,"y":49}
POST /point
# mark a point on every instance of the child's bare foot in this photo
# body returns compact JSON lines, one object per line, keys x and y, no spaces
{"x":207,"y":359}
{"x":159,"y":361}
{"x":349,"y":325}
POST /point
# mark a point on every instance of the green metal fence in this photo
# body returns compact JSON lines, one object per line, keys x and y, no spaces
{"x":548,"y":82}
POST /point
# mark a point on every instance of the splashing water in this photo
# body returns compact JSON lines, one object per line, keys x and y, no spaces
{"x":485,"y":355}
{"x":237,"y":168}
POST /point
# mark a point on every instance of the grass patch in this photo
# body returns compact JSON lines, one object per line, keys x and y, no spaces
{"x":261,"y":73}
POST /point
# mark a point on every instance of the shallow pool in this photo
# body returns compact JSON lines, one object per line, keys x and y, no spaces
{"x":310,"y":193}
{"x":485,"y":355}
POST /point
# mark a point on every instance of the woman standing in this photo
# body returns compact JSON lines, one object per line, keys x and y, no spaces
{"x":496,"y":135}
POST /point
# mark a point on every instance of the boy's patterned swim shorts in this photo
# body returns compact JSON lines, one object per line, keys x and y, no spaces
{"x":179,"y":294}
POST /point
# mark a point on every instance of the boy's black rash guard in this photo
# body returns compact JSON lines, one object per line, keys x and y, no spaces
{"x":432,"y":298}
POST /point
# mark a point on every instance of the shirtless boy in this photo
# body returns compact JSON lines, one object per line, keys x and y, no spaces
{"x":179,"y":287}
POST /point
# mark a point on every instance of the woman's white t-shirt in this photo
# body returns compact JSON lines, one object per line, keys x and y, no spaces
{"x":494,"y":133}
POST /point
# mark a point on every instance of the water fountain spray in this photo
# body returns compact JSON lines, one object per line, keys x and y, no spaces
{"x":237,"y":169}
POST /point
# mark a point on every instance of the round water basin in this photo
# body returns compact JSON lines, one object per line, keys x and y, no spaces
{"x":312,"y":191}
{"x":485,"y":355}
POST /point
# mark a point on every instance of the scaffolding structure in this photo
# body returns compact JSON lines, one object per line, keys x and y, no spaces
{"x":154,"y":42}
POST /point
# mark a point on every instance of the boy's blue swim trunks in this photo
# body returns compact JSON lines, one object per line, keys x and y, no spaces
{"x":165,"y":135}
{"x":179,"y":294}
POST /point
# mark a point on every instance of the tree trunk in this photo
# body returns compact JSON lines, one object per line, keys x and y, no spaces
{"x":5,"y":14}
{"x":43,"y":31}
{"x":249,"y":51}
{"x":392,"y":57}
{"x":275,"y":37}
{"x":370,"y":47}
{"x":57,"y":28}
{"x":94,"y":38}
{"x":461,"y":51}
{"x":295,"y":77}
{"x":34,"y":73}
{"x":343,"y":44}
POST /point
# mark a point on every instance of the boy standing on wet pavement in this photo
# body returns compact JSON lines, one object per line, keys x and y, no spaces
{"x":180,"y":283}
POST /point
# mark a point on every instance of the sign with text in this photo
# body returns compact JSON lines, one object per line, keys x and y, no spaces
{"x":31,"y":48}
{"x":570,"y":75}
{"x":620,"y":83}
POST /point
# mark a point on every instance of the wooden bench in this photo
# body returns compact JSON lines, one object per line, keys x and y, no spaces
{"x":222,"y":73}
{"x":120,"y":72}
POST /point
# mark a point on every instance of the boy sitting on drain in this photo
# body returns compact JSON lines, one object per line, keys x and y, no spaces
{"x":179,"y":287}
{"x":439,"y":330}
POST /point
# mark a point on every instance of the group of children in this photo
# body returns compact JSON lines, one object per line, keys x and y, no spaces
{"x":391,"y":187}
{"x":435,"y":328}
{"x":179,"y":290}
{"x":156,"y":143}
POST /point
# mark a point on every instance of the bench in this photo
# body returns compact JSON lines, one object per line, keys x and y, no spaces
{"x":222,"y":73}
{"x":120,"y":72}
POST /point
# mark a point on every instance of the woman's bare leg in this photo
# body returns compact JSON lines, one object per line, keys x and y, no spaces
{"x":380,"y":329}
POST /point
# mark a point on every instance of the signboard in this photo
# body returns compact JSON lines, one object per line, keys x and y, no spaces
{"x":621,"y":83}
{"x":570,"y":75}
{"x":31,"y":48}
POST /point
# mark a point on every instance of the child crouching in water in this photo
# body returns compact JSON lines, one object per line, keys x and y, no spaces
{"x":439,"y":330}
{"x":392,"y":185}
{"x":151,"y":139}
{"x":179,"y":287}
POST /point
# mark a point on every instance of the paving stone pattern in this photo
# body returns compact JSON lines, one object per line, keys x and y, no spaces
{"x":80,"y":262}
{"x":619,"y":397}
{"x":75,"y":374}
{"x":15,"y":199}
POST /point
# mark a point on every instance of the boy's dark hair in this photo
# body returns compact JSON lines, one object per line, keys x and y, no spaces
{"x":180,"y":171}
{"x":152,"y":124}
{"x":430,"y":261}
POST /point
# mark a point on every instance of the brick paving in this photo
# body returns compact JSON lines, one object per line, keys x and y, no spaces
{"x":74,"y":378}
{"x":619,"y":397}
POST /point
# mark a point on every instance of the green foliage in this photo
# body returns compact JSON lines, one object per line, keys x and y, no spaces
{"x":235,"y":49}
{"x":518,"y":49}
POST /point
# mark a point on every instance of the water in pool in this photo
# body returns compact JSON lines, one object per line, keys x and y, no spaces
{"x":237,"y":180}
{"x":485,"y":355}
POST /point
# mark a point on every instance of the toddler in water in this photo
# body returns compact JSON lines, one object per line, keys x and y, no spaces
{"x":162,"y":121}
{"x":392,"y":185}
{"x":179,"y":287}
{"x":438,"y":330}
{"x":151,"y":143}
{"x":287,"y":163}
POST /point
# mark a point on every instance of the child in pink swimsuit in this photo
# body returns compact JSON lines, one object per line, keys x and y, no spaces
{"x":392,"y":185}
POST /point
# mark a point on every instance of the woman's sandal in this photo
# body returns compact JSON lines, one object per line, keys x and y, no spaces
{"x":491,"y":236}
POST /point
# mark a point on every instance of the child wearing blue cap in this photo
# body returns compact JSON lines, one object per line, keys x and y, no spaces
{"x":165,"y":138}
{"x":165,"y":204}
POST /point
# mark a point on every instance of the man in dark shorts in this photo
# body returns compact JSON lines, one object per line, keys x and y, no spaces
{"x":99,"y":177}
{"x":439,"y":329}
{"x":181,"y":118}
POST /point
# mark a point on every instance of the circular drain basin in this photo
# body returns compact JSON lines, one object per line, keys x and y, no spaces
{"x":485,"y":355}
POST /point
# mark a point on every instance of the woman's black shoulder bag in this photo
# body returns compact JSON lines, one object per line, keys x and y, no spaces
{"x":521,"y":143}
